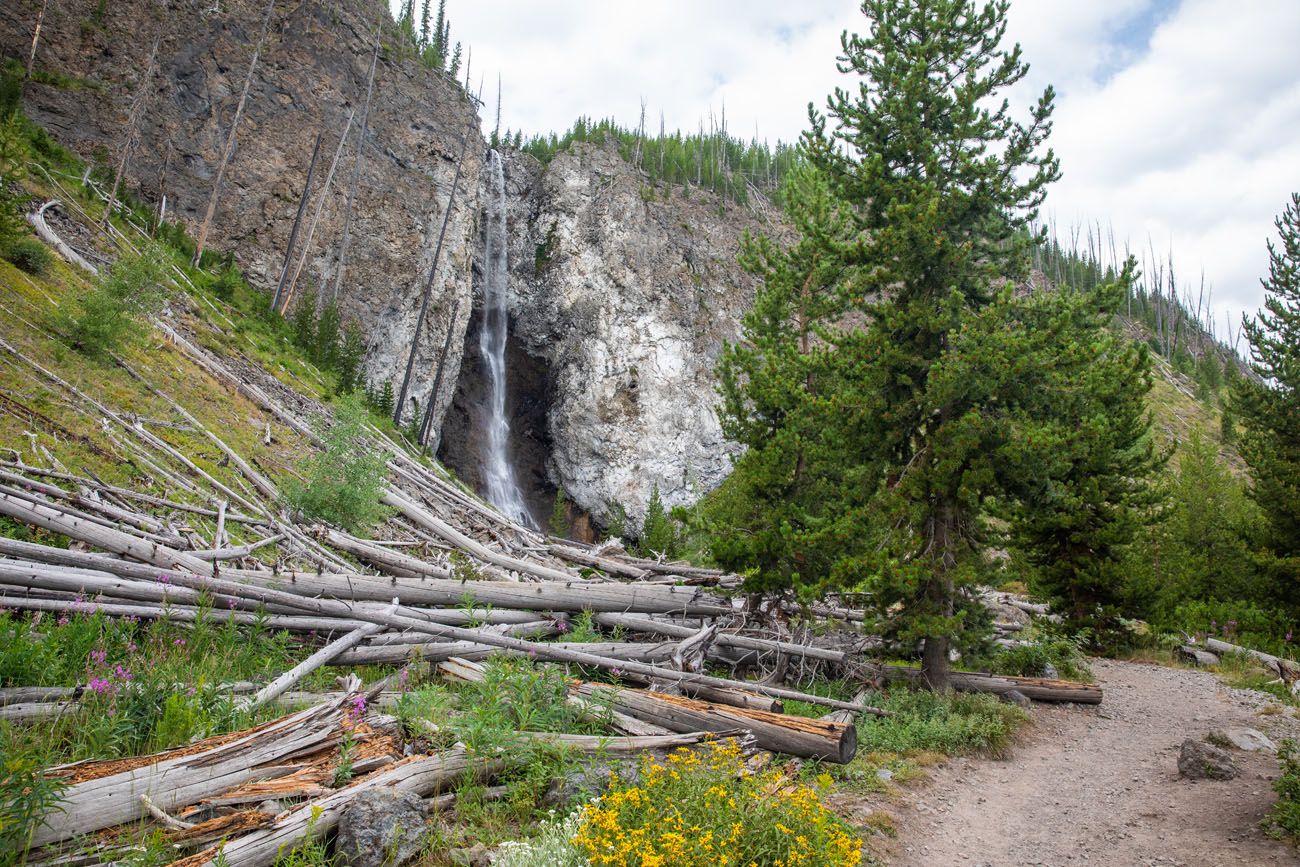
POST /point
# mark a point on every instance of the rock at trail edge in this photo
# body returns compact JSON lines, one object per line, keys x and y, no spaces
{"x":1198,"y":760}
{"x":1247,"y":740}
{"x":381,"y":828}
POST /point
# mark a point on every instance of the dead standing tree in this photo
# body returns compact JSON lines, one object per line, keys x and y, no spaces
{"x":132,"y":130}
{"x":229,"y":149}
{"x":356,"y":172}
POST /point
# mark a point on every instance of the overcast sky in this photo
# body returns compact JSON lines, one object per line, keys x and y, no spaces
{"x":1177,"y":121}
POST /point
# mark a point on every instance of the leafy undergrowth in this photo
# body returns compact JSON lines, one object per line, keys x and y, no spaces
{"x":1283,"y":820}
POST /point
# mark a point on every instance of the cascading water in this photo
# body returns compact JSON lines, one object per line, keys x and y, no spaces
{"x":498,"y":472}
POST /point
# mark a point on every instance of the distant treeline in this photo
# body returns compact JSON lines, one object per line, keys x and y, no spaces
{"x":710,"y":159}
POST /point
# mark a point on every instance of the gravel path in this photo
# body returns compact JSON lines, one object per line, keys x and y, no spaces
{"x":1101,"y":787}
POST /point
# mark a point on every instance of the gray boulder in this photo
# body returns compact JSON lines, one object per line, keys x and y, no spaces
{"x":1198,"y":760}
{"x":1247,"y":740}
{"x":1016,"y":697}
{"x":381,"y":828}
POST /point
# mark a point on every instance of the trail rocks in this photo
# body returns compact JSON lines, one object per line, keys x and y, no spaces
{"x":1198,"y":760}
{"x":1245,"y":739}
{"x":381,"y":828}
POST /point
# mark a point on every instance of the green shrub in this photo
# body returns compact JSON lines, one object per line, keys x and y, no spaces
{"x":114,"y":310}
{"x":1284,"y":819}
{"x":1031,"y":660}
{"x":30,"y":255}
{"x":26,"y":795}
{"x":949,"y":723}
{"x":345,"y":481}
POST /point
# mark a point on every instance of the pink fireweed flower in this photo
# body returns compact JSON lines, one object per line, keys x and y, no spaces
{"x":63,"y":620}
{"x":179,"y":642}
{"x":98,"y":657}
{"x":164,"y":578}
{"x":130,"y":647}
{"x":121,"y":672}
{"x":101,"y":686}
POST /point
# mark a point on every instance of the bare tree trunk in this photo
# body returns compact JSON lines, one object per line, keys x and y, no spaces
{"x":297,"y":223}
{"x":36,"y":38}
{"x":356,"y":172}
{"x":206,"y":225}
{"x":315,"y":217}
{"x":935,"y":665}
{"x":428,"y":286}
{"x":132,"y":122}
{"x":437,"y":377}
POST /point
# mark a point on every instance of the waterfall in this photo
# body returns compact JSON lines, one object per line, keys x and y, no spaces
{"x":498,"y":473}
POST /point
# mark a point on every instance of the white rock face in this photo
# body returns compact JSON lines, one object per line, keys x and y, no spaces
{"x":629,"y":298}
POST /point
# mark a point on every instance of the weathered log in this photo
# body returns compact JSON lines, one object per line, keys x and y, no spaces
{"x":608,"y":744}
{"x":174,"y":781}
{"x":327,"y":653}
{"x":423,"y":776}
{"x":1197,"y":656}
{"x":1286,"y":669}
{"x":1036,"y":688}
{"x":646,"y":624}
{"x":386,"y":560}
{"x":393,"y":654}
{"x":48,"y":235}
{"x":573,"y":595}
{"x":796,"y":736}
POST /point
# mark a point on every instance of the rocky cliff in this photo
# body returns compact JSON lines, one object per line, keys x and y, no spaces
{"x":621,"y":296}
{"x":311,"y":76}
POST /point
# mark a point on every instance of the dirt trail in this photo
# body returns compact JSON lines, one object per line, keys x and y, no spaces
{"x":1101,"y":786}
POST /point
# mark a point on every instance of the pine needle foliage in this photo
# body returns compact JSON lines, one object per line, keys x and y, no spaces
{"x":900,"y":381}
{"x":1268,"y":404}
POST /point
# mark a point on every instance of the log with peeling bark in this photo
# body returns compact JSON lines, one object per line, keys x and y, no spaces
{"x":423,"y":776}
{"x":797,"y":736}
{"x":185,"y":776}
{"x":1036,"y":688}
{"x":1198,"y":656}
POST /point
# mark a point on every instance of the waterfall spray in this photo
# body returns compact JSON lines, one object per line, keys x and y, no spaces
{"x":498,"y":472}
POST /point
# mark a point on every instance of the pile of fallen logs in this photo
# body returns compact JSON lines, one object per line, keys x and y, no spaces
{"x":446,"y":580}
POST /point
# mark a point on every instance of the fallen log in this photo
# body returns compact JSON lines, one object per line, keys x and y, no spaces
{"x":393,"y":654}
{"x":48,"y":235}
{"x":384,"y":559}
{"x":1286,"y":669}
{"x":327,"y":653}
{"x":792,"y":735}
{"x":1197,"y":656}
{"x":608,"y":744}
{"x":174,"y":781}
{"x":423,"y":776}
{"x":1036,"y":688}
{"x":646,"y":624}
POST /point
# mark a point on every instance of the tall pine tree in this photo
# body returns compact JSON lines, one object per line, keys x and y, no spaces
{"x":1268,"y":405}
{"x":944,"y":184}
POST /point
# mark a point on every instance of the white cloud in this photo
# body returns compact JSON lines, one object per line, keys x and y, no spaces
{"x":1175,"y":120}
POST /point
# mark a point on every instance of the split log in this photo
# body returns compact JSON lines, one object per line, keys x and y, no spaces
{"x":792,"y":735}
{"x":424,"y":776}
{"x":1036,"y":688}
{"x":174,"y":781}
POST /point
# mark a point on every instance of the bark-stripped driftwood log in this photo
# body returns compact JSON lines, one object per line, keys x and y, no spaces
{"x":424,"y":776}
{"x":1286,"y":669}
{"x":49,"y":236}
{"x":393,"y":654}
{"x":645,"y":624}
{"x":608,"y":744}
{"x":286,"y":681}
{"x":384,"y":559}
{"x":324,"y":626}
{"x":182,"y":777}
{"x":796,"y":736}
{"x":1197,"y":656}
{"x":1036,"y":688}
